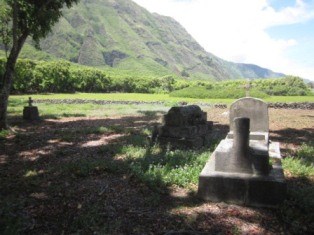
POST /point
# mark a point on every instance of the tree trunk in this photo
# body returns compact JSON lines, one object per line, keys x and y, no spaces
{"x":4,"y":97}
{"x":7,"y":80}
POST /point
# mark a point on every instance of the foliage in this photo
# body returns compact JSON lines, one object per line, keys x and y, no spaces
{"x":4,"y":133}
{"x":159,"y":167}
{"x":303,"y":163}
{"x":5,"y":30}
{"x":289,"y":86}
{"x":262,"y":88}
{"x":298,"y":209}
{"x":34,"y":18}
{"x":62,"y":76}
{"x":19,"y":20}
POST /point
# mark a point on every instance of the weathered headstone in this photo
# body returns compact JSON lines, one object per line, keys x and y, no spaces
{"x":239,"y":170}
{"x":257,"y":111}
{"x":184,"y":126}
{"x":30,"y":112}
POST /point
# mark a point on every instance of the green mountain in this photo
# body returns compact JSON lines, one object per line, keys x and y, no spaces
{"x":121,"y":34}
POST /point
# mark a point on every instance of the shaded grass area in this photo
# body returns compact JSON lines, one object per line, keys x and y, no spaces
{"x":298,"y":209}
{"x":64,"y":180}
{"x":85,"y":175}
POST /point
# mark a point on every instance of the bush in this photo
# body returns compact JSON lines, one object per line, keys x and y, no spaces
{"x":288,"y":86}
{"x":62,"y":76}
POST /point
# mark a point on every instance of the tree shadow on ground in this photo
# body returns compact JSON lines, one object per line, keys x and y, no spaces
{"x":291,"y":136}
{"x":74,"y":175}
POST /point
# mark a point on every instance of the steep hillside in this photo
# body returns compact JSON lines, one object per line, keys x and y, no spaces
{"x":123,"y":35}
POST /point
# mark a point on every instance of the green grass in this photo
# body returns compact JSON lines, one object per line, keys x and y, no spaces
{"x":216,"y":92}
{"x":149,"y":97}
{"x":4,"y":133}
{"x":154,"y":166}
{"x":303,"y":163}
{"x":158,"y":167}
{"x":56,"y":111}
{"x":298,"y":209}
{"x":47,"y":110}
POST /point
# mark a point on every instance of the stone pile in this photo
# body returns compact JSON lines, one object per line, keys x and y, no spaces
{"x":184,"y":127}
{"x":295,"y":105}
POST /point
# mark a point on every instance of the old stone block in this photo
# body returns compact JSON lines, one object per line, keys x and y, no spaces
{"x":189,"y":115}
{"x":184,"y":127}
{"x":30,"y":113}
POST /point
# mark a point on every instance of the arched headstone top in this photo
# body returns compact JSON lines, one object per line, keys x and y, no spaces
{"x":254,"y":109}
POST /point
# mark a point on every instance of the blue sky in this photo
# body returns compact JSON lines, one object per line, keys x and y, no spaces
{"x":276,"y":34}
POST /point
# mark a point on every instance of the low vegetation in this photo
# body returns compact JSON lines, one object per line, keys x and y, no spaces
{"x":302,"y":164}
{"x":64,"y":77}
{"x":216,"y":93}
{"x":298,"y":209}
{"x":97,"y":171}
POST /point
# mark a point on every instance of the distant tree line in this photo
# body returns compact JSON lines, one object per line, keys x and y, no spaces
{"x":64,"y":77}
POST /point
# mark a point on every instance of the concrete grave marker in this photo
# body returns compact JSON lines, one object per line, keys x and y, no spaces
{"x":239,"y":171}
{"x":184,"y":126}
{"x":254,"y":109}
{"x":30,"y":112}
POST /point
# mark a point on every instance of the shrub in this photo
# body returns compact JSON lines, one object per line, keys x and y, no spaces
{"x":61,"y":76}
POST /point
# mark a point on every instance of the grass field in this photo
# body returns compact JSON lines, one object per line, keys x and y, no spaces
{"x":89,"y":168}
{"x":151,"y":97}
{"x":17,"y":102}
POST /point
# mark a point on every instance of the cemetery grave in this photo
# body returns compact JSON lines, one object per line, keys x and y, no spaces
{"x":99,"y":174}
{"x":30,"y":112}
{"x":239,"y":170}
{"x":184,"y":127}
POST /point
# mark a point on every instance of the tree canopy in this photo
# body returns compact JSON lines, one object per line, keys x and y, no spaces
{"x":20,"y":19}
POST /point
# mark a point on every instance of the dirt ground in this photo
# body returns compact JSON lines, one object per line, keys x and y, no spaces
{"x":38,"y":196}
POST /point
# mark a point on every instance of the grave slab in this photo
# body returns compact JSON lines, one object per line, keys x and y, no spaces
{"x":239,"y":170}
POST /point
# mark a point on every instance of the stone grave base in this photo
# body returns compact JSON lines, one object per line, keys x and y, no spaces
{"x":257,"y":135}
{"x":242,"y":188}
{"x":31,"y":113}
{"x":185,"y":143}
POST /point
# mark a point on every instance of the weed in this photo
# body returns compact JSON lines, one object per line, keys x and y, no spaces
{"x":159,"y":168}
{"x":298,"y":210}
{"x":4,"y":133}
{"x":303,"y":163}
{"x":31,"y":173}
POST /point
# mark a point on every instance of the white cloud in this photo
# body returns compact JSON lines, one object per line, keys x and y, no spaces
{"x":236,"y":30}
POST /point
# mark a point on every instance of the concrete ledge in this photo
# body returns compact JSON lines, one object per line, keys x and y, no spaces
{"x":256,"y":135}
{"x":242,"y":189}
{"x":181,"y":143}
{"x":274,"y":150}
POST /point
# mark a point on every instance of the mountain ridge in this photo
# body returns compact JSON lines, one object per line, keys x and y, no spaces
{"x":123,"y":35}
